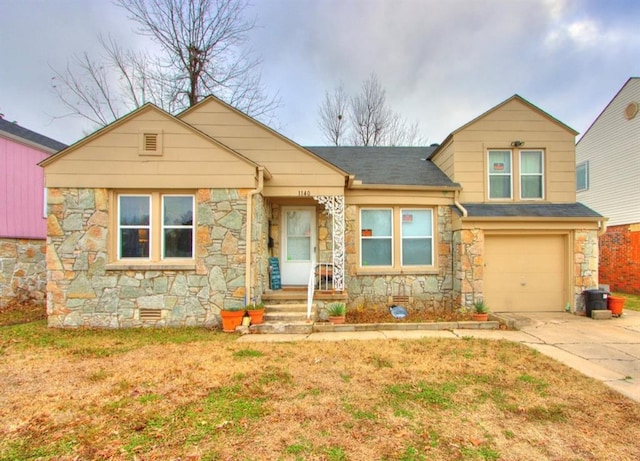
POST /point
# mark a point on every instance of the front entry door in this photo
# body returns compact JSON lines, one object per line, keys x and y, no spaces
{"x":299,"y":244}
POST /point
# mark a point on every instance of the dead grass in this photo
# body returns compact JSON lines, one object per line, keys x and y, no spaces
{"x":194,"y":395}
{"x":22,"y":311}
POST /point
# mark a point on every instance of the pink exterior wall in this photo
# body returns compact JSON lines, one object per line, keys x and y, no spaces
{"x":21,"y":191}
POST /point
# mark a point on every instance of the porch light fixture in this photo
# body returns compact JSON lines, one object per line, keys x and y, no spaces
{"x":517,"y":143}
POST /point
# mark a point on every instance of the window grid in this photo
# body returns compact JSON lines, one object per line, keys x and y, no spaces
{"x":143,"y":230}
{"x":166,"y":226}
{"x":500,"y":169}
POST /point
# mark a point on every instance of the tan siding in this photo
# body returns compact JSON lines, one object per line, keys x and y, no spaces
{"x":497,"y":130}
{"x":382,"y":197}
{"x":187,"y":159}
{"x":279,"y":155}
{"x":445,"y":161}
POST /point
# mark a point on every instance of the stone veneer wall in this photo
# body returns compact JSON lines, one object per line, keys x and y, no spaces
{"x":585,"y":265}
{"x":432,"y":291}
{"x":22,"y":269}
{"x":468,"y":266}
{"x":83,"y":291}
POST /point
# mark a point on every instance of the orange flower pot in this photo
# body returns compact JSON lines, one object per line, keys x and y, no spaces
{"x":615,"y":304}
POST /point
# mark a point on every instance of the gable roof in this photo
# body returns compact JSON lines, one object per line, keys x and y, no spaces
{"x":211,"y":99}
{"x":19,"y":133}
{"x":390,"y":166}
{"x":515,"y":97}
{"x":144,"y":108}
{"x":631,"y":80}
{"x":528,"y":210}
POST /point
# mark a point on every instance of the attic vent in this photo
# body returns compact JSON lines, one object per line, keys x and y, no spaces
{"x":150,"y":142}
{"x":631,"y":110}
{"x":150,"y":314}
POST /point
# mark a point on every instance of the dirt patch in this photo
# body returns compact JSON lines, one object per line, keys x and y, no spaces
{"x":22,"y":311}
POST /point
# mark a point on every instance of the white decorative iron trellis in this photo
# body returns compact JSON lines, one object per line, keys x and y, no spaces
{"x":334,"y":207}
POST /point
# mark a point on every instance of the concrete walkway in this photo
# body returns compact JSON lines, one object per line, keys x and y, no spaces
{"x":607,"y":350}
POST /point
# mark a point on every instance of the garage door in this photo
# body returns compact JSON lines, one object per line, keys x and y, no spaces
{"x":525,"y":273}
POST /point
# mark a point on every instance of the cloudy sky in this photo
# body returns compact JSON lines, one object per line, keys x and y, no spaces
{"x":442,"y":63}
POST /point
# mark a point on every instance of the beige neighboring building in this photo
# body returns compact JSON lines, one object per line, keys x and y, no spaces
{"x":165,"y":220}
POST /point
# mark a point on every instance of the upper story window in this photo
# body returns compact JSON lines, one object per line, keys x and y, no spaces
{"x":582,"y":176}
{"x":155,"y":226}
{"x":500,"y":174}
{"x":379,"y":246}
{"x":531,"y":174}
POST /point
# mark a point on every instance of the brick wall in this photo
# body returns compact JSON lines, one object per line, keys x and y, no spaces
{"x":620,"y":258}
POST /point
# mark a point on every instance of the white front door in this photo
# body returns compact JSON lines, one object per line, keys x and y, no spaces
{"x":299,"y":244}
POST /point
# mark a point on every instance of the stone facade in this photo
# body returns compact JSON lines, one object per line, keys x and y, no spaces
{"x":585,"y":264}
{"x":468,"y":266}
{"x":431,"y":291}
{"x":85,"y":290}
{"x":22,"y":269}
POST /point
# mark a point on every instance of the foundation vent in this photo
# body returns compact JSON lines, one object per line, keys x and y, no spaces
{"x":400,"y":300}
{"x":150,"y":314}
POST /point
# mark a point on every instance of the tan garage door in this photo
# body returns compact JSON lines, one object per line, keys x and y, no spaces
{"x":525,"y":273}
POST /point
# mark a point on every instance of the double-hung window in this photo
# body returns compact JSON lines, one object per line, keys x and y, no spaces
{"x":531,"y":174}
{"x":155,"y":226}
{"x":396,"y":238}
{"x":582,"y":176}
{"x":500,"y":174}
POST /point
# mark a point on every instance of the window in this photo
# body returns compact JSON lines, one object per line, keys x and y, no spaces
{"x":499,"y":174}
{"x":377,"y":237}
{"x":582,"y":176}
{"x":379,"y":246}
{"x":147,"y":235}
{"x":531,"y":174}
{"x":417,"y":238}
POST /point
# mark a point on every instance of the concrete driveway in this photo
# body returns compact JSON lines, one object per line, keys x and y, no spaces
{"x":607,"y":350}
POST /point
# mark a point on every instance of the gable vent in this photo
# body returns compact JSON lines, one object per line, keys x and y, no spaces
{"x":150,"y":314}
{"x":150,"y":142}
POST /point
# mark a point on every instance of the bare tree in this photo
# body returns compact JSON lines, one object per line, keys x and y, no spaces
{"x":370,"y":120}
{"x":333,"y":115}
{"x":203,"y":51}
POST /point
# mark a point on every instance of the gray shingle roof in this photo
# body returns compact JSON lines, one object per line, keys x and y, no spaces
{"x":393,"y":166}
{"x":541,"y":210}
{"x":30,"y":136}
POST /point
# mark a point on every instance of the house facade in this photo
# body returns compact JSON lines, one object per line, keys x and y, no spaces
{"x":23,"y":229}
{"x":166,"y":220}
{"x":607,"y":168}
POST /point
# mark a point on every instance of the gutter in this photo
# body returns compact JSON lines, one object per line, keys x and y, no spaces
{"x":458,"y":205}
{"x":248,"y":242}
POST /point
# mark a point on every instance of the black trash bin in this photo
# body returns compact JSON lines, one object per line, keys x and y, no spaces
{"x":595,"y":300}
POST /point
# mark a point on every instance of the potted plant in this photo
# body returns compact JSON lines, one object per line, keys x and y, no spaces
{"x":336,"y":312}
{"x":256,"y":312}
{"x":231,"y":318}
{"x":480,"y":311}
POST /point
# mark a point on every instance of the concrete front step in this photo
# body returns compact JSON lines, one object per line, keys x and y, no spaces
{"x":283,"y":328}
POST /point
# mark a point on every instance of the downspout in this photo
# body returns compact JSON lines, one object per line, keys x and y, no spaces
{"x":458,"y":205}
{"x":247,"y":269}
{"x":602,"y":227}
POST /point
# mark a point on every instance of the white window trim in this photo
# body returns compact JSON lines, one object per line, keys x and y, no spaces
{"x":489,"y":174}
{"x":148,"y":227}
{"x":402,"y":237}
{"x":586,"y":175}
{"x":541,"y":174}
{"x":163,"y":226}
{"x":391,"y":237}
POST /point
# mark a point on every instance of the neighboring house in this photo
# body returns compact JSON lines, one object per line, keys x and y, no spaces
{"x":23,"y":228}
{"x":608,"y":167}
{"x":165,"y":220}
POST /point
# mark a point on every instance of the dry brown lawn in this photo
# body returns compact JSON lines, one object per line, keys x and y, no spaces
{"x":200,"y":395}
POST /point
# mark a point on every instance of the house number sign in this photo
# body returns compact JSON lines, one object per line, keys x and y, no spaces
{"x":304,"y":193}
